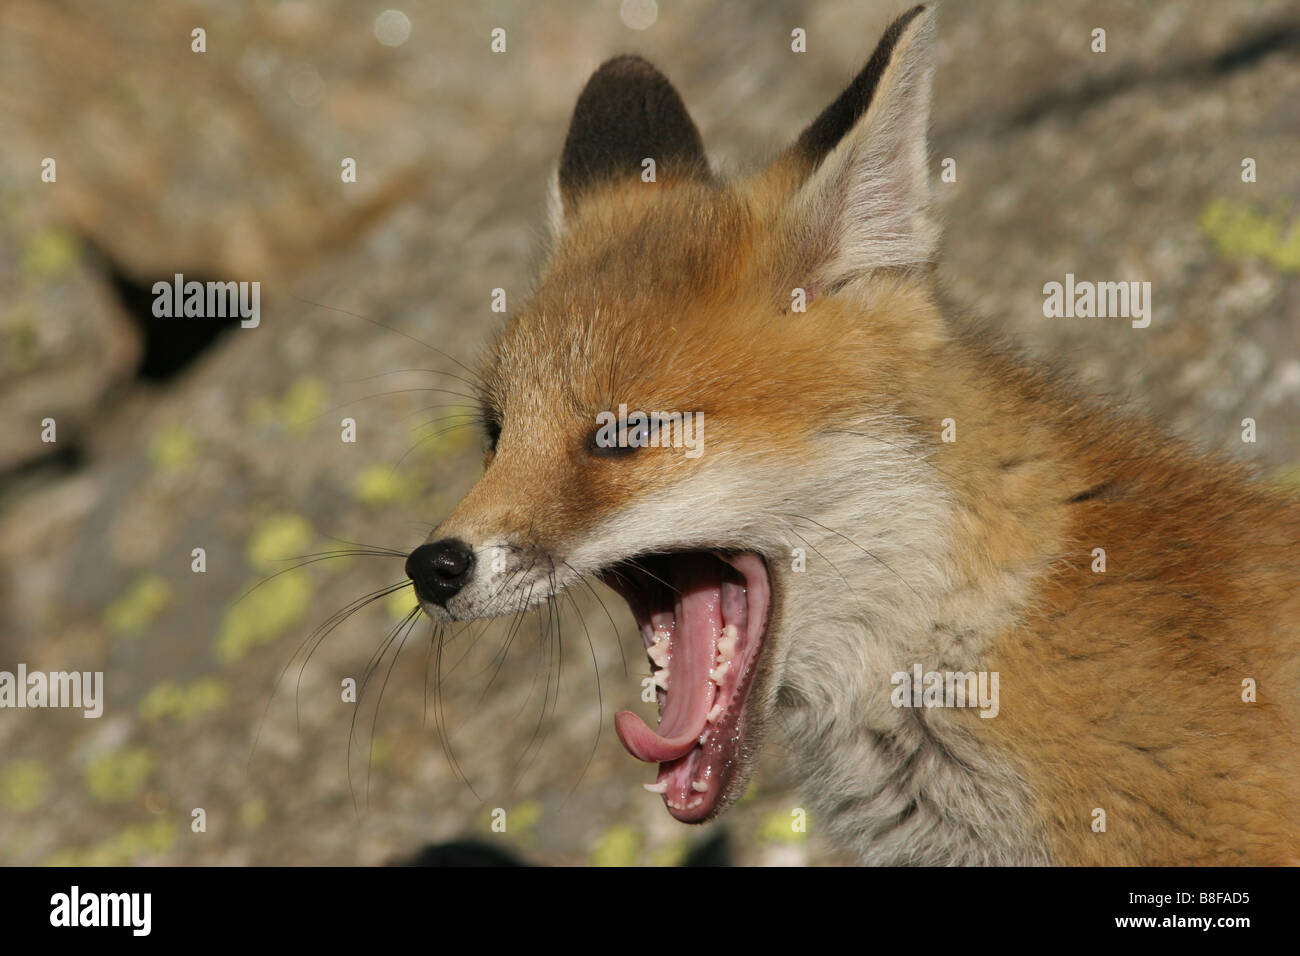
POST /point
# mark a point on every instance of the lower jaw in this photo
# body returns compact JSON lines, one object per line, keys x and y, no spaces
{"x":715,"y":762}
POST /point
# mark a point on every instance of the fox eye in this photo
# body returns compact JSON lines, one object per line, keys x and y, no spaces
{"x":492,"y":427}
{"x":617,"y":441}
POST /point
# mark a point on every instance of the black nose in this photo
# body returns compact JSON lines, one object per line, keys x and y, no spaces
{"x":440,"y":569}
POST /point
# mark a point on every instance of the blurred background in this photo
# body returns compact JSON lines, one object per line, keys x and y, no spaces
{"x":180,"y":434}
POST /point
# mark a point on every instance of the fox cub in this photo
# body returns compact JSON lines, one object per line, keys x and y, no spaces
{"x":996,"y":621}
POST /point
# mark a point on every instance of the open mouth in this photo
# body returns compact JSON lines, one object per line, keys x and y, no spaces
{"x":703,"y":616}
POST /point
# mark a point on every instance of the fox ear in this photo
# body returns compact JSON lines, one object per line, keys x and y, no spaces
{"x":627,"y":113}
{"x":863,"y":203}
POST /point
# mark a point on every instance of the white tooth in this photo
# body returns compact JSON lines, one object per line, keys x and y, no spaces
{"x":715,"y":713}
{"x":699,"y":786}
{"x":661,"y":679}
{"x":661,"y":787}
{"x":659,"y":654}
{"x":727,"y":643}
{"x":704,"y":738}
{"x":695,"y":803}
{"x":719,"y":673}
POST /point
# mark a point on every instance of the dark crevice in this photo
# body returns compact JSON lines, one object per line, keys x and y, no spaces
{"x":1250,"y":50}
{"x":170,"y":345}
{"x":66,"y":457}
{"x":1245,"y":52}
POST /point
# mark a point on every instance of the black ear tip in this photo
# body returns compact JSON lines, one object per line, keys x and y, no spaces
{"x":907,"y":16}
{"x":628,"y":111}
{"x":624,"y":78}
{"x":838,"y":118}
{"x":628,"y":65}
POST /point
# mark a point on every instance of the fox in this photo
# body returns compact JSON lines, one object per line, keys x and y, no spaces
{"x":884,"y":490}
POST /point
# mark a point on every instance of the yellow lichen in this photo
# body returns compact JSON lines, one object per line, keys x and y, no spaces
{"x":381,"y":752}
{"x":173,"y":448}
{"x":264,"y":614}
{"x":619,"y":845}
{"x":184,"y":703}
{"x":120,"y":775}
{"x":303,"y":404}
{"x":778,"y":827}
{"x":138,"y":607}
{"x":50,"y":254}
{"x":24,"y":785}
{"x":252,"y":813}
{"x":443,"y":438}
{"x":400,"y":603}
{"x":380,"y":485}
{"x":519,"y":820}
{"x":127,"y":847}
{"x":671,"y":853}
{"x":278,"y":539}
{"x":1240,"y":231}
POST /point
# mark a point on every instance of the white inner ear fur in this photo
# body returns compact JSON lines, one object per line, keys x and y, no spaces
{"x":867,"y":205}
{"x":554,"y":206}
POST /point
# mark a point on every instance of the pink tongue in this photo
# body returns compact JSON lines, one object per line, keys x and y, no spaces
{"x":694,"y":649}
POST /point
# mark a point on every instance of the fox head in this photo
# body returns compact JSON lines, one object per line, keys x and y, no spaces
{"x":711,"y":390}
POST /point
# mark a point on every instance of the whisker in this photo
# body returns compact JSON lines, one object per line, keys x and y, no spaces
{"x":440,"y":717}
{"x":481,"y":626}
{"x":501,"y":655}
{"x":341,"y":616}
{"x":546,"y":656}
{"x":600,"y":699}
{"x":473,"y":414}
{"x":582,"y":578}
{"x":409,"y":622}
{"x":315,"y":559}
{"x":439,"y":434}
{"x":405,"y":335}
{"x":902,"y":448}
{"x":823,"y":557}
{"x":317,"y":636}
{"x":860,"y":548}
{"x":366,"y":398}
{"x":471,"y":382}
{"x":375,"y":659}
{"x":633,"y":562}
{"x":359,"y":544}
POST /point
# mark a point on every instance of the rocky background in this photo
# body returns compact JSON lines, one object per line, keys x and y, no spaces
{"x":172,"y":436}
